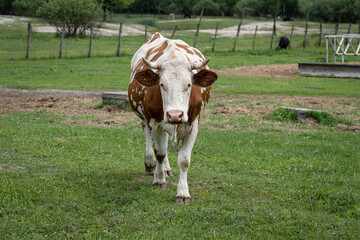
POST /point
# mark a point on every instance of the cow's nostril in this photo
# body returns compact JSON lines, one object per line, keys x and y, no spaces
{"x":174,"y":116}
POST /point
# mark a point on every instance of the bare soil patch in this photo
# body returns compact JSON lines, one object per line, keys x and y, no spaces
{"x":75,"y":104}
{"x":65,"y":103}
{"x":275,"y":70}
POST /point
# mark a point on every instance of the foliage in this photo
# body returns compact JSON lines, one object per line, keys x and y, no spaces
{"x":210,"y":7}
{"x":26,"y":7}
{"x":111,"y":5}
{"x":72,"y":16}
{"x":6,"y":6}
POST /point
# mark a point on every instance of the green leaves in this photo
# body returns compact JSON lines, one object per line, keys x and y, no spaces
{"x":72,"y":16}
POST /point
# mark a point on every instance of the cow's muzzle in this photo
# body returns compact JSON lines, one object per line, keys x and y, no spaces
{"x":175,"y":116}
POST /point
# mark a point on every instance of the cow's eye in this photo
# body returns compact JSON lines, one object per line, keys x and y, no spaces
{"x":162,"y":86}
{"x":189,"y":85}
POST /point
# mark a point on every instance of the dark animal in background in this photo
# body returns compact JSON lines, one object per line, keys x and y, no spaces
{"x":289,"y":19}
{"x":268,"y":17}
{"x":187,"y":15}
{"x":283,"y":43}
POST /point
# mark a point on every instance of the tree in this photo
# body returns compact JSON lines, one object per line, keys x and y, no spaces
{"x":210,"y":7}
{"x":71,"y":16}
{"x":6,"y":6}
{"x":26,"y":7}
{"x":110,"y":5}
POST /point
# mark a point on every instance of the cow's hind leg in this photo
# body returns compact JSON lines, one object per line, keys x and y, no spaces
{"x":150,"y":162}
{"x":160,"y":139}
{"x":183,"y":195}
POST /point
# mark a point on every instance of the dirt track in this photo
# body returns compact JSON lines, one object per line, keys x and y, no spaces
{"x":275,"y":70}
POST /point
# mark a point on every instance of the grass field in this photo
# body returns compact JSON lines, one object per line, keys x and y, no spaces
{"x":70,"y":171}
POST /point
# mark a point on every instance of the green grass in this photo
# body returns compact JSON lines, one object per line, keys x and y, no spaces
{"x":68,"y":181}
{"x":305,"y":86}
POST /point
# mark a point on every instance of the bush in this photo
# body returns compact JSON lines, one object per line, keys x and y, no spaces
{"x":72,"y":16}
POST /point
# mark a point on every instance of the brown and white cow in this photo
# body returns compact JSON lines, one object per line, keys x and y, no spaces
{"x":169,"y":87}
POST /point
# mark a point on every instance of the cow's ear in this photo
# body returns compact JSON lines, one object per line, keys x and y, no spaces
{"x":147,"y":78}
{"x":204,"y":78}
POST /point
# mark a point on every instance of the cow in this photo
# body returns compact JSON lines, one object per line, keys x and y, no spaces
{"x":169,"y":86}
{"x":283,"y":43}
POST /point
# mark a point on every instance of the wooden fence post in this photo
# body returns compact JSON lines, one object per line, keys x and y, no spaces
{"x":349,"y":29}
{"x":348,"y":32}
{"x":146,"y":26}
{"x":198,"y":27}
{"x":336,"y":28}
{"x":255,"y":37}
{"x":306,"y":29}
{"x":91,"y":40}
{"x":213,"y":48}
{"x":61,"y":41}
{"x":320,"y":34}
{"x":272,"y":38}
{"x":291,"y":35}
{"x":238,"y":30}
{"x":28,"y":40}
{"x":119,"y":40}
{"x":172,"y":35}
{"x":359,"y":33}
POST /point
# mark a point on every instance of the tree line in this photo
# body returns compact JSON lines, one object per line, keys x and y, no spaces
{"x":317,"y":10}
{"x":76,"y":16}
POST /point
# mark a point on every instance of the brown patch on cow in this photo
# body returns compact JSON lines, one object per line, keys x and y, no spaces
{"x":160,"y":158}
{"x":205,"y":78}
{"x":153,"y":107}
{"x":186,"y":48}
{"x":160,"y":48}
{"x":199,"y":54}
{"x":195,"y":103}
{"x":140,"y":65}
{"x":156,"y":36}
{"x":185,"y":164}
{"x":206,"y":94}
{"x":156,"y":57}
{"x":147,"y":78}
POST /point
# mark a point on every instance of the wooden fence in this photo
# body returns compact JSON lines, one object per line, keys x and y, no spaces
{"x":236,"y":40}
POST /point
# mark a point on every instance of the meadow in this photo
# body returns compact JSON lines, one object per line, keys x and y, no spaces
{"x":254,"y":173}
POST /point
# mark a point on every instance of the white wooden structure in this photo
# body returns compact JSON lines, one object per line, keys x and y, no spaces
{"x":343,"y":45}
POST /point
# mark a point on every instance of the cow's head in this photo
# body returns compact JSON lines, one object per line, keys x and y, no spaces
{"x":175,"y":80}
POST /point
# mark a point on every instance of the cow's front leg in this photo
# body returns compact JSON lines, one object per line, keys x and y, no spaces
{"x":150,"y":161}
{"x":160,"y":139}
{"x":183,"y":195}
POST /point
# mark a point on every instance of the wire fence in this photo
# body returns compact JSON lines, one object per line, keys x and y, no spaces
{"x":214,"y":40}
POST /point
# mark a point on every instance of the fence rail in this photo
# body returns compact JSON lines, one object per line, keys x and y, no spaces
{"x":337,"y":45}
{"x":339,"y":48}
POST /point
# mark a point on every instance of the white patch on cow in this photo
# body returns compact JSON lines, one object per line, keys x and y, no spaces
{"x":140,"y":110}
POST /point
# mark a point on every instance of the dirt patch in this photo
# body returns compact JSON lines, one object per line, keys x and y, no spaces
{"x":79,"y":107}
{"x":275,"y":70}
{"x":65,"y":103}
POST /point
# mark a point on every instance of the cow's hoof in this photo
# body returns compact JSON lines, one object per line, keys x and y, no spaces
{"x":183,"y":200}
{"x":169,"y":173}
{"x":160,"y":185}
{"x":150,"y":170}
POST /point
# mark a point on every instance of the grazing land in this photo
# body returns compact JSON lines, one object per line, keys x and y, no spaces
{"x":71,"y":167}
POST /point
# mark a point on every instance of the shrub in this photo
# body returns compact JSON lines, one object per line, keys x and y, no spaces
{"x":72,"y":16}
